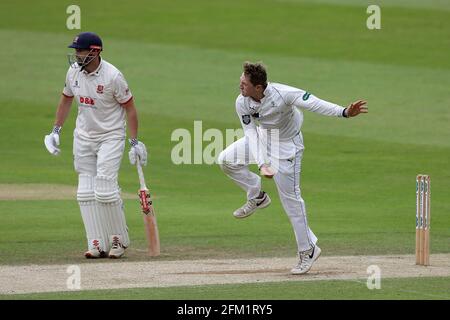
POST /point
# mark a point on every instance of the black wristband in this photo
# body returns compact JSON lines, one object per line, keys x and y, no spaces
{"x":57,"y":129}
{"x":343,"y":113}
{"x":133,"y":142}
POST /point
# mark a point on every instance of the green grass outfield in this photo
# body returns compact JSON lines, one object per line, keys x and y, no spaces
{"x":395,"y":289}
{"x":183,"y":61}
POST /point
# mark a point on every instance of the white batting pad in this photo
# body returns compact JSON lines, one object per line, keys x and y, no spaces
{"x":114,"y":221}
{"x":106,"y":189}
{"x":109,"y":203}
{"x":94,"y":220}
{"x":85,"y":190}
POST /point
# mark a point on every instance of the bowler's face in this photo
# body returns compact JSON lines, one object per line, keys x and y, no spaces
{"x":246,"y":87}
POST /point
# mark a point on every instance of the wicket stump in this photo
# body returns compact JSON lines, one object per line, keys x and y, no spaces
{"x":423,"y":214}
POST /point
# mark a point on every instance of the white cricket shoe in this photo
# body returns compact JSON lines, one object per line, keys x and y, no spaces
{"x":95,"y":251}
{"x":117,"y":248}
{"x":306,"y":261}
{"x":251,"y":206}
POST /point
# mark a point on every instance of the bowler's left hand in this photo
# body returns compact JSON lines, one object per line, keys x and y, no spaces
{"x":356,"y":108}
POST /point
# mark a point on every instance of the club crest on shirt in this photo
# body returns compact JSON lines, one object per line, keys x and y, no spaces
{"x":246,"y":119}
{"x":100,"y":88}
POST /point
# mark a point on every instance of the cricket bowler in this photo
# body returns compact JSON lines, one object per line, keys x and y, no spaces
{"x":105,"y":106}
{"x":271,"y":116}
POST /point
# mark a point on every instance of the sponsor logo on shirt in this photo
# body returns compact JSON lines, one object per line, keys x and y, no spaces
{"x":306,"y":96}
{"x":87,"y":101}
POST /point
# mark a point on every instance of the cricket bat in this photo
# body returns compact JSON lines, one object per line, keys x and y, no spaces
{"x":151,"y":227}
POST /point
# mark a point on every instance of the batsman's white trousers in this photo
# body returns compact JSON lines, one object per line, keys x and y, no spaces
{"x":101,"y":158}
{"x":235,"y":160}
{"x":98,"y":164}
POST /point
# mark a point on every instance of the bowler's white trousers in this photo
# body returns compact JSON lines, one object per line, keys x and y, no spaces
{"x":235,"y":160}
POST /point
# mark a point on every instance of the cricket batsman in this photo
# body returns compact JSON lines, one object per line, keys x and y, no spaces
{"x":105,"y":106}
{"x":271,"y":116}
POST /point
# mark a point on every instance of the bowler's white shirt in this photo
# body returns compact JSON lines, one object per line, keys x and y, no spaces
{"x":279,"y":114}
{"x":99,"y":96}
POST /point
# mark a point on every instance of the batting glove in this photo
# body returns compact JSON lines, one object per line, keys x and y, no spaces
{"x":137,"y":151}
{"x":51,"y":141}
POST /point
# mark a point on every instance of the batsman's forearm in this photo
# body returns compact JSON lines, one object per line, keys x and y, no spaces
{"x":132,"y":121}
{"x":63,"y":110}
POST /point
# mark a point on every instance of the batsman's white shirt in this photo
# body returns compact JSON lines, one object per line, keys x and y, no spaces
{"x":279,"y":115}
{"x":99,"y":96}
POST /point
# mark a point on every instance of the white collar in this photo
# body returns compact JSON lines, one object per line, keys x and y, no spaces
{"x":96,"y":71}
{"x":266,"y":91}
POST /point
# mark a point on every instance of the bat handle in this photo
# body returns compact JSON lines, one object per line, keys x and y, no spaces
{"x":140,"y":174}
